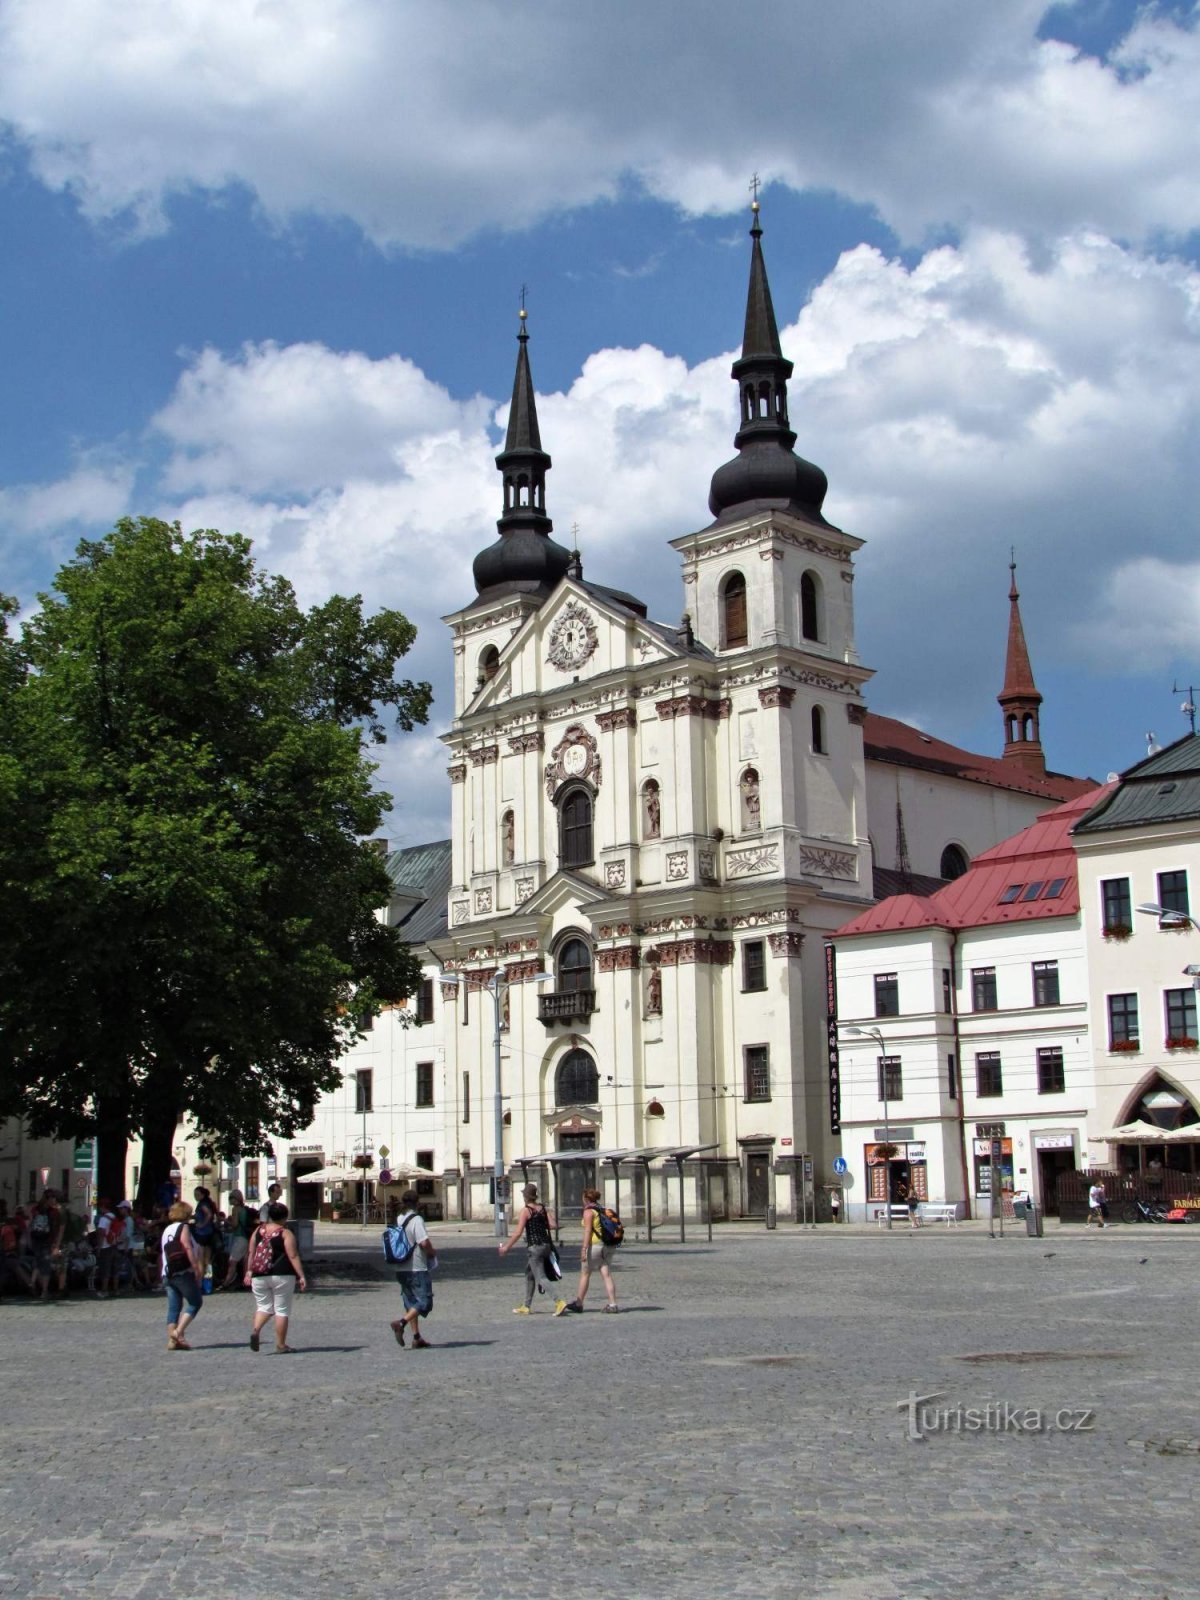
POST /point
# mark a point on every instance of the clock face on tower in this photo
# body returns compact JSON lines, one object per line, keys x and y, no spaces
{"x":572,"y":638}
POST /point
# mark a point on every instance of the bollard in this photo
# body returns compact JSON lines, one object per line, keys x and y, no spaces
{"x":770,"y":1216}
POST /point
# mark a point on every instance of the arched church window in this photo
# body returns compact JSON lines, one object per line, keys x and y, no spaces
{"x":954,"y":861}
{"x":651,"y":810}
{"x":751,"y":813}
{"x":734,"y":632}
{"x":1026,"y":727}
{"x":577,"y":1082}
{"x":818,"y":731}
{"x":574,"y":966}
{"x":575,"y":828}
{"x":810,"y":620}
{"x":489,"y":664}
{"x":508,"y":839}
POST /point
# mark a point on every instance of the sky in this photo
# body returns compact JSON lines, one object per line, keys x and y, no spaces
{"x":260,"y":265}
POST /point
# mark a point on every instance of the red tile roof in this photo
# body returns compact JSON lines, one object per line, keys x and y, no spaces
{"x":895,"y":742}
{"x":1038,"y":854}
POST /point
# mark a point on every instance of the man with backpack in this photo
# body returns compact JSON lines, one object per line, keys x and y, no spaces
{"x":535,"y":1222}
{"x":602,"y":1234}
{"x":408,"y":1246}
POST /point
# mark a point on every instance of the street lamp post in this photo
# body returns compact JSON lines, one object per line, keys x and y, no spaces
{"x":1169,"y":919}
{"x":874,"y":1033}
{"x":361,"y":1082}
{"x":495,"y":986}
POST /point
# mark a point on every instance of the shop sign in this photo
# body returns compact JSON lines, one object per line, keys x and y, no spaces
{"x":915,"y":1152}
{"x":306,"y":1149}
{"x":989,"y":1130}
{"x":832,"y":1047}
{"x":785,"y":1142}
{"x":1054,"y":1141}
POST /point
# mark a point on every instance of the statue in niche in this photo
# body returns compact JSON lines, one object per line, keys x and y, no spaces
{"x":751,"y":821}
{"x":654,"y":993}
{"x":508,"y":839}
{"x":652,"y":811}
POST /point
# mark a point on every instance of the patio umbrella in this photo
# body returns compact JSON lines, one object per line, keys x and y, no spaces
{"x":1134,"y":1133}
{"x":401,"y":1172}
{"x":330,"y":1175}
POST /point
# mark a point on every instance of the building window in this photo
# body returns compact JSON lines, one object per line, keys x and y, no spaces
{"x":1122,"y":1021}
{"x":363,"y":1092}
{"x":574,"y":966}
{"x":424,"y":1160}
{"x":1181,"y":1016}
{"x":424,"y":1083}
{"x":252,"y":1170}
{"x":947,"y":991}
{"x":989,"y":1082}
{"x":1045,"y":983}
{"x":983,"y":989}
{"x":1173,"y":892}
{"x":754,"y":965}
{"x":954,"y":861}
{"x":952,"y":1077}
{"x":466,"y":1097}
{"x":757,"y":1062}
{"x":818,"y":731}
{"x":1051,"y":1074}
{"x":489,"y":664}
{"x":891,"y":1078}
{"x":1117,"y":905}
{"x":577,"y":1082}
{"x":809,"y":607}
{"x":575,"y":828}
{"x":734,"y":632}
{"x":651,"y":809}
{"x":887,"y":994}
{"x":425,"y":1001}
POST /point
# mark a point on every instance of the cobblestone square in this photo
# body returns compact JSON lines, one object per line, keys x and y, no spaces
{"x":742,"y":1429}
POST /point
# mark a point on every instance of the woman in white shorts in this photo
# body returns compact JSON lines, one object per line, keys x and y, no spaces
{"x":273,"y":1272}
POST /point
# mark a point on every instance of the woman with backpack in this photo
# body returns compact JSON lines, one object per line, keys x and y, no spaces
{"x":204,"y":1230}
{"x":180,"y":1264}
{"x":535,"y":1222}
{"x":273,"y":1272}
{"x":602,"y":1232}
{"x":241,"y":1226}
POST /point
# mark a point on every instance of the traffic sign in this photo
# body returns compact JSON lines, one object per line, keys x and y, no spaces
{"x":82,"y":1159}
{"x":840,"y":1165}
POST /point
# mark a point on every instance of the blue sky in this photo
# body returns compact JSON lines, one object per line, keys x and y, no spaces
{"x":261,"y":264}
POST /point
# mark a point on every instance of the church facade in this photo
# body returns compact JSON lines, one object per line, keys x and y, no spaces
{"x":656,"y":827}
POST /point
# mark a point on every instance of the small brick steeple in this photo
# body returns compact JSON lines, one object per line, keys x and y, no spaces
{"x":1019,"y":699}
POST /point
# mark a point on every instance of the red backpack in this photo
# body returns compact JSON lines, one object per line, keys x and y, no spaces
{"x":262,"y":1256}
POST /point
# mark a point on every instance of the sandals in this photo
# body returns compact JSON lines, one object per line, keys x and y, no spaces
{"x":254,"y":1342}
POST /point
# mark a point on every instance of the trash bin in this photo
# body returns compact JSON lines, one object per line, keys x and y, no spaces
{"x":303,"y":1229}
{"x":1033,"y":1221}
{"x":770,"y":1216}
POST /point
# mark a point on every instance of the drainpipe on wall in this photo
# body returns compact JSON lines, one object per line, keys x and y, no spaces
{"x":962,"y":1123}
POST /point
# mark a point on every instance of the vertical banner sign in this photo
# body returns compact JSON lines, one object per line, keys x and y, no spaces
{"x":835,"y":1069}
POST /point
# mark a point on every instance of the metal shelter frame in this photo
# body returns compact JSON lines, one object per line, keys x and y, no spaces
{"x":642,"y":1155}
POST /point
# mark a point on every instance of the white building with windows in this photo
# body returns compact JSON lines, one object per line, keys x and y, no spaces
{"x":1141,"y":847}
{"x":963,"y":1018}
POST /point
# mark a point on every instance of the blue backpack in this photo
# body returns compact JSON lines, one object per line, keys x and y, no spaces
{"x":398,"y":1243}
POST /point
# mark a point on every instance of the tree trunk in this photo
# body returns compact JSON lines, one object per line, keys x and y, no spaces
{"x":112,"y":1147}
{"x":158,"y":1155}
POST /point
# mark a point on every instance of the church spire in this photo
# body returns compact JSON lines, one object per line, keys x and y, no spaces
{"x":765,"y":474}
{"x":525,"y":559}
{"x":1019,"y":699}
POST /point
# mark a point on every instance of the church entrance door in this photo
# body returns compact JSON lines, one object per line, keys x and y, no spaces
{"x":758,"y":1182}
{"x":575,"y":1176}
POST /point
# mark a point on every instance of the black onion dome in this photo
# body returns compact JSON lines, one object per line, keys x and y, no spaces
{"x":525,"y":558}
{"x":766,"y":474}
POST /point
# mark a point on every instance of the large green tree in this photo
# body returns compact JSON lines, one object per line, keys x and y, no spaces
{"x":187,"y":904}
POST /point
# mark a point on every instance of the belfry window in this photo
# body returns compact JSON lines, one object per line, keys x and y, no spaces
{"x":734,"y":631}
{"x":489,"y":664}
{"x":575,"y":828}
{"x":809,"y":609}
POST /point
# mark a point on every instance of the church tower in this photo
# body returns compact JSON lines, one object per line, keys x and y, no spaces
{"x":1019,"y":699}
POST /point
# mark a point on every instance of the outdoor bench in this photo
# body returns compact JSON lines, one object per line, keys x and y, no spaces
{"x":938,"y":1211}
{"x":899,"y":1214}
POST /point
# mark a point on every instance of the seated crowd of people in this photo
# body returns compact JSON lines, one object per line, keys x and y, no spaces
{"x":48,"y":1251}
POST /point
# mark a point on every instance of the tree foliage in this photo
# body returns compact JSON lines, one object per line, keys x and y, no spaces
{"x":187,"y":907}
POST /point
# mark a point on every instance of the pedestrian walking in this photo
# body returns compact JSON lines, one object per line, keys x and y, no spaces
{"x":535,"y":1222}
{"x":594,"y":1254}
{"x":274,"y":1198}
{"x":274,"y":1272}
{"x":241,"y":1226}
{"x":1097,"y":1205}
{"x":204,"y":1229}
{"x":912,"y":1200}
{"x":180,"y":1270}
{"x":414,"y":1274}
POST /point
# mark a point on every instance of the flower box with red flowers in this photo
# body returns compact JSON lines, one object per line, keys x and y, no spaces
{"x":1183,"y":1043}
{"x":1124,"y":1046}
{"x":363,"y":1162}
{"x":1118,"y":931}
